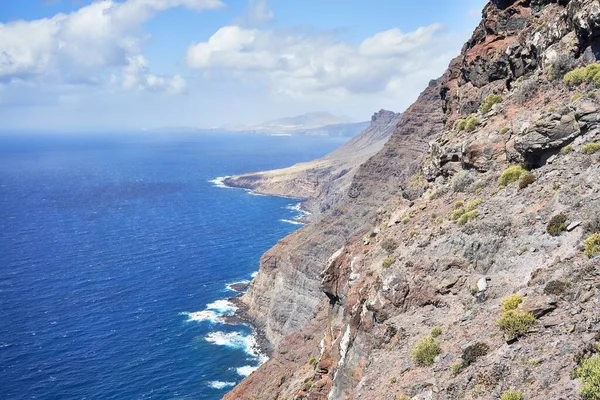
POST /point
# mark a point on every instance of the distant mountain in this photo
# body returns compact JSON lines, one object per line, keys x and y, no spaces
{"x":311,"y":124}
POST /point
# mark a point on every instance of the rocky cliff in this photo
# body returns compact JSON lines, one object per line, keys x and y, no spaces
{"x":324,"y":181}
{"x":463,"y":261}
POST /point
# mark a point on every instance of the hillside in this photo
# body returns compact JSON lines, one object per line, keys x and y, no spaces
{"x":463,"y":260}
{"x":320,"y":180}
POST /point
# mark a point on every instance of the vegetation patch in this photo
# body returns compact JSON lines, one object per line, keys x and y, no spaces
{"x":591,"y":148}
{"x":557,"y":225}
{"x":515,"y":323}
{"x":511,"y":302}
{"x":489,"y":102}
{"x":589,"y":73}
{"x":567,"y":149}
{"x":510,"y":175}
{"x":589,"y":373}
{"x":576,"y":97}
{"x":592,"y":245}
{"x":469,"y":124}
{"x":435,"y":332}
{"x":464,"y":213}
{"x":388,"y":261}
{"x":456,"y":367}
{"x":425,"y":351}
{"x":512,"y":395}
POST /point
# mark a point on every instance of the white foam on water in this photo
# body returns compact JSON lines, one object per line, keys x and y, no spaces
{"x":220,"y":384}
{"x":254,"y":274}
{"x":223,"y":307}
{"x":220,"y":182}
{"x":214,"y":312}
{"x":289,"y":221}
{"x":247,"y":370}
{"x":206,"y":315}
{"x":235,"y":340}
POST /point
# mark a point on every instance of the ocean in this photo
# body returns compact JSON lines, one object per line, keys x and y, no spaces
{"x":116,"y":252}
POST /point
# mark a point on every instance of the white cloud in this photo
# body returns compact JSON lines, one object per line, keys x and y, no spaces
{"x":258,"y":13}
{"x":300,"y":65}
{"x":81,"y":46}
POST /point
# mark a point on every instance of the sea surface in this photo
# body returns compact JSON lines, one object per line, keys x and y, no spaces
{"x":116,"y":252}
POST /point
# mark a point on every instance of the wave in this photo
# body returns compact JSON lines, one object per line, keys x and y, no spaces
{"x":220,"y":182}
{"x":246,"y":370}
{"x":254,"y":274}
{"x":220,"y":384}
{"x":214,"y":312}
{"x":291,"y":221}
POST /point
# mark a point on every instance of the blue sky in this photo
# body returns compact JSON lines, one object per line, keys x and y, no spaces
{"x":81,"y":65}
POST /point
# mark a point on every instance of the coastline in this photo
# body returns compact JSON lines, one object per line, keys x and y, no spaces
{"x":240,"y":316}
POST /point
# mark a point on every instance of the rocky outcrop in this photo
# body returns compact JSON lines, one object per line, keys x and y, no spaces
{"x":426,"y":237}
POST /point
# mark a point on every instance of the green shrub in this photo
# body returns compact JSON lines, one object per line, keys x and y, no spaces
{"x":388,"y":261}
{"x":591,"y":95}
{"x":575,"y":77}
{"x":469,"y":123}
{"x":590,"y":73}
{"x":489,"y":102}
{"x":307,"y":385}
{"x":435,"y":332}
{"x":511,"y":302}
{"x":425,"y":351}
{"x":456,"y":367}
{"x":504,"y":130}
{"x":473,"y":352}
{"x":590,"y":148}
{"x":557,"y":225}
{"x":526,"y":180}
{"x":589,"y":373}
{"x":512,"y":395}
{"x":592,"y":245}
{"x":515,"y":323}
{"x":567,"y":149}
{"x":472,"y":123}
{"x":465,"y":213}
{"x":510,"y":175}
{"x":312,"y":361}
{"x":576,"y":97}
{"x":466,"y":217}
{"x":406,"y":219}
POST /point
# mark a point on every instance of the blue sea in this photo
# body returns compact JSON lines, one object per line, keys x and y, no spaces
{"x":116,"y":252}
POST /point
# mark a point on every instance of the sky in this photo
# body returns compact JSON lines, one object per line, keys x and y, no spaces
{"x":111,"y":65}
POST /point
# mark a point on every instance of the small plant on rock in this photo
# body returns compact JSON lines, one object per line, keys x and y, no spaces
{"x":466,"y":213}
{"x":387,"y":262}
{"x":592,"y":245}
{"x":510,"y":175}
{"x":567,"y":149}
{"x":511,"y":302}
{"x":576,"y":97}
{"x":436,"y":331}
{"x":425,"y":351}
{"x":591,"y":148}
{"x":456,"y":367}
{"x":589,"y":73}
{"x":557,"y":225}
{"x":589,"y":373}
{"x":469,"y":124}
{"x":515,"y":323}
{"x":489,"y":102}
{"x":512,"y":395}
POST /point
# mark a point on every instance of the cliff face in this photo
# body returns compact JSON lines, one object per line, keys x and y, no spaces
{"x":435,"y":231}
{"x":323,"y":182}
